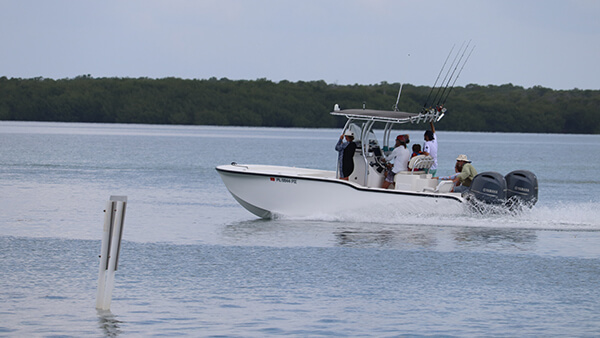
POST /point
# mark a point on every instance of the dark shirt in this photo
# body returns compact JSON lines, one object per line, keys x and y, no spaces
{"x":346,"y":151}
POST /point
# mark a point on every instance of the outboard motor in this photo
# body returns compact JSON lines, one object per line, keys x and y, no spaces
{"x":522,"y":188}
{"x":489,"y":187}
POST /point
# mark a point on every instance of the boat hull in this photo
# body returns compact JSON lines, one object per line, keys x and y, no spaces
{"x":273,"y":191}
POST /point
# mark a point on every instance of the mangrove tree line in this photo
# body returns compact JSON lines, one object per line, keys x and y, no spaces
{"x":505,"y":108}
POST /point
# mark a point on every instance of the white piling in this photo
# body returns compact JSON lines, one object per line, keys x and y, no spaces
{"x":111,"y":245}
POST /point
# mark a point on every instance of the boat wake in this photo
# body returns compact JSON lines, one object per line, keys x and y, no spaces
{"x":560,"y":216}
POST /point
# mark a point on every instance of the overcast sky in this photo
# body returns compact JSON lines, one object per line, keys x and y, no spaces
{"x":550,"y":43}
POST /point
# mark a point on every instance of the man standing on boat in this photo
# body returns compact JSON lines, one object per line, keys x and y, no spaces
{"x":346,"y":155}
{"x":399,"y":158}
{"x":430,"y":148}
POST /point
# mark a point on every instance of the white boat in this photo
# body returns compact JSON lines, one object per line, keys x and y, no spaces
{"x":270,"y":191}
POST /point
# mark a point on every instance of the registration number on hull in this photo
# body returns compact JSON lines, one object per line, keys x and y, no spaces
{"x":283,"y":180}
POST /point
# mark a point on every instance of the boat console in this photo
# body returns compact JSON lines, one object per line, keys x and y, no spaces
{"x":369,"y":168}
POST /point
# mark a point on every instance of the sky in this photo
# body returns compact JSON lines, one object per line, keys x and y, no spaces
{"x":548,"y":43}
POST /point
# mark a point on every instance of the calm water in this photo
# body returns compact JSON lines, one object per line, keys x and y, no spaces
{"x":195,"y":263}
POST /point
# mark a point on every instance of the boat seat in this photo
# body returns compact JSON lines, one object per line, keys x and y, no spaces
{"x":417,"y":173}
{"x":443,"y":187}
{"x":420,"y":162}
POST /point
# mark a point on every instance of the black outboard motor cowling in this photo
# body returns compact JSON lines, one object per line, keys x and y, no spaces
{"x":522,"y":187}
{"x":489,"y":187}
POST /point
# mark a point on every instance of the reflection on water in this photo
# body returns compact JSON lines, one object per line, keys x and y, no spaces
{"x":405,"y":237}
{"x":427,"y":237}
{"x":387,"y":238}
{"x":108,"y":323}
{"x":523,"y":240}
{"x":362,"y":238}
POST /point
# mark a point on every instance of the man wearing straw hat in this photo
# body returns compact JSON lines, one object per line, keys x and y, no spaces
{"x":462,"y":182}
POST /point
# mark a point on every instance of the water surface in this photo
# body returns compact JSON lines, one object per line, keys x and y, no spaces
{"x":196,"y":263}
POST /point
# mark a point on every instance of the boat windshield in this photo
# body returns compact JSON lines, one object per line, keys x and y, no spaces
{"x":363,"y":134}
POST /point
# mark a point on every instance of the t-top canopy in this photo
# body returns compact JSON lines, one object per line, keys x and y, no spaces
{"x":387,"y":115}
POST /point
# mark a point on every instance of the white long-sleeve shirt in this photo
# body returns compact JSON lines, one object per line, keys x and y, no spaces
{"x":399,"y":157}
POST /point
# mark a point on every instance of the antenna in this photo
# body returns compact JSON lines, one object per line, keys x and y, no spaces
{"x":398,"y":99}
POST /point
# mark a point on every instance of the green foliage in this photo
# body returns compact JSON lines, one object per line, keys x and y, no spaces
{"x":505,"y":108}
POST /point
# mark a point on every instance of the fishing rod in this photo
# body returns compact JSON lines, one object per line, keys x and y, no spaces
{"x":452,"y":75}
{"x":438,"y":77}
{"x":447,"y":73}
{"x":457,"y":75}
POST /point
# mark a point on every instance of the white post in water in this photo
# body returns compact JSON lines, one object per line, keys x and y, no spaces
{"x":111,"y":245}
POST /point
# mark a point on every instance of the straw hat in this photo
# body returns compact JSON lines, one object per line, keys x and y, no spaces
{"x":463,"y":158}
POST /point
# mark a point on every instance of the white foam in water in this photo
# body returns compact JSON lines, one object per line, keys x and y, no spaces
{"x":565,"y":216}
{"x":562,"y":216}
